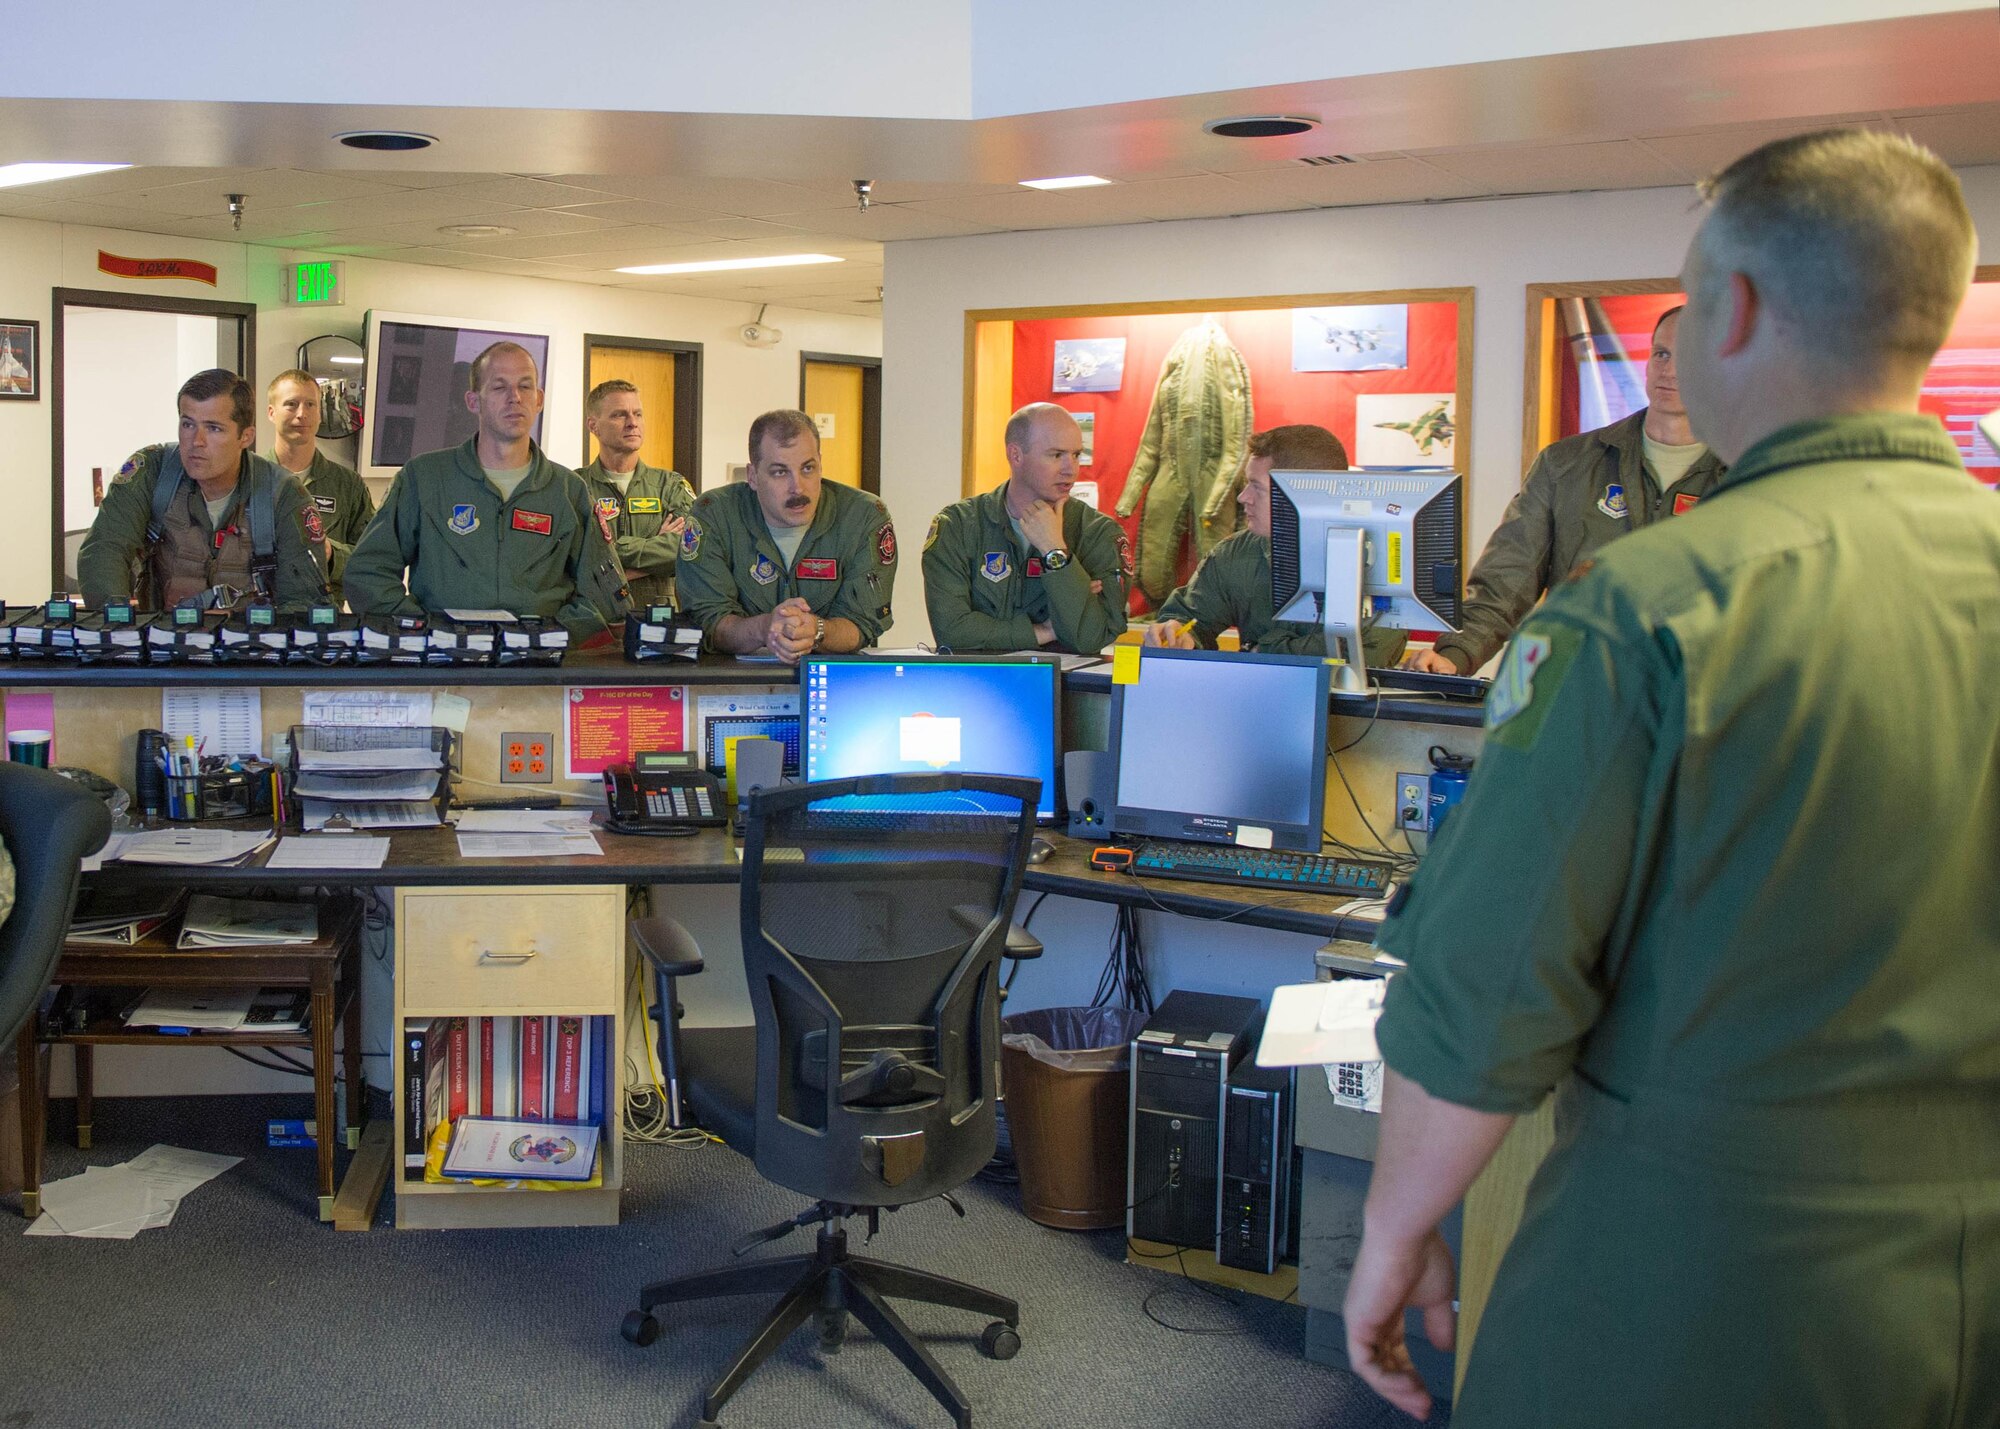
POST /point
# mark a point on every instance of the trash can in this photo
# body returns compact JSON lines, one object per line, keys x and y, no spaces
{"x":1066,"y":1074}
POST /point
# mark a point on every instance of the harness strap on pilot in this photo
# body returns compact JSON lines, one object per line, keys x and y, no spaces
{"x":261,"y":503}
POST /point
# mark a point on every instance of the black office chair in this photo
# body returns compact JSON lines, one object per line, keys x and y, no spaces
{"x":874,"y":913}
{"x":48,"y":824}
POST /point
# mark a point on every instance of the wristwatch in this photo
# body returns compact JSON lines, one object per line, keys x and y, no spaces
{"x":819,"y":631}
{"x":1055,"y":560}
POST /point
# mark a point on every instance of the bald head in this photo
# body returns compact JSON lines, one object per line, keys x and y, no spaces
{"x":1044,"y":446}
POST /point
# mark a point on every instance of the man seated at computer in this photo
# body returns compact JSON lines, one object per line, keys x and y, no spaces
{"x":1232,"y":586}
{"x":786,"y":563}
{"x":1023,"y":566}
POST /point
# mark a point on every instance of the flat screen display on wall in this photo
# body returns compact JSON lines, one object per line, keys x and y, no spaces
{"x":419,"y":370}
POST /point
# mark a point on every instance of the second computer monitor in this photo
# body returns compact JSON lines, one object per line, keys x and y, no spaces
{"x":970,"y":714}
{"x":1222,"y":748}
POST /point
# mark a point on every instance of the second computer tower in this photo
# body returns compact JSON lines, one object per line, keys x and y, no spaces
{"x":1181,"y":1063}
{"x":1259,"y":1227}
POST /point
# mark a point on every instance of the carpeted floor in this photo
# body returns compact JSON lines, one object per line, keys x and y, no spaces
{"x":247,"y":1310}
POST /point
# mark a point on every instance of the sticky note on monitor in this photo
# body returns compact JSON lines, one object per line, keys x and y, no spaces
{"x":929,"y":739}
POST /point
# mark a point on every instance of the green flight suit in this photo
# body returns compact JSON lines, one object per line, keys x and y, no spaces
{"x":846,"y":565}
{"x":634,"y":518}
{"x":1232,"y":586}
{"x":985,"y":590}
{"x":1724,"y":871}
{"x":1581,"y":492}
{"x":341,"y":497}
{"x":191,"y":556}
{"x":540,"y":552}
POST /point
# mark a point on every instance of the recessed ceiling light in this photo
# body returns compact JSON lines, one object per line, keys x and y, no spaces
{"x":1260,"y":126}
{"x":386,"y":141}
{"x":477,"y":230}
{"x":14,"y":175}
{"x":348,"y":361}
{"x":1074,"y":181}
{"x":724,"y":265}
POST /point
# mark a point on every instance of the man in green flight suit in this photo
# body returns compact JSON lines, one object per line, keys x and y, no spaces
{"x":491,"y":525}
{"x":201,"y":543}
{"x":1023,"y":566}
{"x":785,"y":563}
{"x":1581,"y":492}
{"x":338,"y":493}
{"x":1232,"y":586}
{"x":643,"y":509}
{"x":1685,"y":885}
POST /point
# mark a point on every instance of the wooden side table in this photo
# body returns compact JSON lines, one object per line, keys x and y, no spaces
{"x":329,"y":966}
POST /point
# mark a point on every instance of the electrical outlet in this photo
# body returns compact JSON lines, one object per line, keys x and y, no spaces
{"x":526,"y":757}
{"x":1413,"y":802}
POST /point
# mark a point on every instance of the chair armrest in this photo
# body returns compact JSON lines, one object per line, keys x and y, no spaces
{"x":669,"y":947}
{"x":1020,"y":942}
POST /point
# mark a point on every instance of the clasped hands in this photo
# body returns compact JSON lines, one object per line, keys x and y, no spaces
{"x":789,"y":630}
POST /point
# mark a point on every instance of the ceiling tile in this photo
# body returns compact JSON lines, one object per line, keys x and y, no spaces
{"x":261,"y":189}
{"x":638,"y":210}
{"x":743,"y":198}
{"x":1558,"y":168}
{"x":1199,"y":196}
{"x":883,"y":223}
{"x":1383,"y":181}
{"x":1696,"y":154}
{"x":1968,"y":137}
{"x":1015,"y":208}
{"x":593,"y":242}
{"x":124,"y":181}
{"x":514,"y":191}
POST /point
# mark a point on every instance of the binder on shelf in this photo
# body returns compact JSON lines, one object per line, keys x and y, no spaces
{"x":569,"y":1069}
{"x":600,"y":1037}
{"x":534,"y":1054}
{"x":457,"y":1083}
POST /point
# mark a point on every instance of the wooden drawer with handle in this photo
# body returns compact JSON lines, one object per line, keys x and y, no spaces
{"x":538,"y":949}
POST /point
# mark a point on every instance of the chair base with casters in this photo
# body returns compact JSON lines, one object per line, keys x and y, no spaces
{"x":826,"y":1287}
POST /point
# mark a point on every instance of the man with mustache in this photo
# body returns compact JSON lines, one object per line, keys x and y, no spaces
{"x":784,"y":564}
{"x":1023,"y":567}
{"x":491,"y":525}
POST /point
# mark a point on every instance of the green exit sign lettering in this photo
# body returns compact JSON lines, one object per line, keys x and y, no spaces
{"x":316,"y":285}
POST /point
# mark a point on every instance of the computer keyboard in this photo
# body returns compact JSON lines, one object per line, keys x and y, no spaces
{"x":1261,"y":868}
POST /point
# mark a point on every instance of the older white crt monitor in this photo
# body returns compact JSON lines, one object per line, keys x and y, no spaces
{"x":1345,"y":544}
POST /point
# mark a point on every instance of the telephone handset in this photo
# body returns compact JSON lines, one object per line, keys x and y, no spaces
{"x":662,"y":793}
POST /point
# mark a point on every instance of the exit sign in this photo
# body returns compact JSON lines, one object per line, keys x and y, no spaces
{"x":316,"y":285}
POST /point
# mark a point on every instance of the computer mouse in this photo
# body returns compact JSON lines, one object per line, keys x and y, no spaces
{"x":1039,"y":850}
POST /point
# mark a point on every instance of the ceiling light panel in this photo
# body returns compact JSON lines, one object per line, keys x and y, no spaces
{"x":730,"y":265}
{"x":14,"y":175}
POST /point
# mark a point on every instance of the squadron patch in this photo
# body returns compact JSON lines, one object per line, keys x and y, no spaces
{"x":930,"y":536}
{"x":763,"y":570}
{"x":607,"y":508}
{"x":1125,"y":555}
{"x":1612,"y":502}
{"x":315,"y":528}
{"x":885,"y":544}
{"x":994,"y":566}
{"x":691,"y":540}
{"x":125,"y":471}
{"x":1530,"y":674}
{"x":464,"y":520}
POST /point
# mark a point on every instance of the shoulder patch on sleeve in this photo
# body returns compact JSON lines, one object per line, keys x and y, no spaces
{"x":691,"y":538}
{"x":1125,"y":555}
{"x":885,"y":544}
{"x":309,"y":518}
{"x":930,"y":536}
{"x":1530,"y":674}
{"x":131,"y":466}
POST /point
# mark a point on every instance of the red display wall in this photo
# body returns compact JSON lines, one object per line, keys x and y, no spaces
{"x":1279,"y":396}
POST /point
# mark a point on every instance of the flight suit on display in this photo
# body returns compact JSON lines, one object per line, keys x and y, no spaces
{"x":633,"y":519}
{"x":846,"y":565}
{"x":1581,"y":492}
{"x":539,"y":552}
{"x":1232,"y":586}
{"x":194,"y":556}
{"x":1724,"y":873}
{"x":986,"y":591}
{"x":341,"y":497}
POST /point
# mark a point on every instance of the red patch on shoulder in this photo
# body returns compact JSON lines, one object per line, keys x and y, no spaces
{"x":885,"y":544}
{"x":540,"y":522}
{"x":1684,"y":503}
{"x":315,"y":528}
{"x":1125,"y":555}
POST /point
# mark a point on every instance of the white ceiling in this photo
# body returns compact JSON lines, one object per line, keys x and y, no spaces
{"x":621,"y":189}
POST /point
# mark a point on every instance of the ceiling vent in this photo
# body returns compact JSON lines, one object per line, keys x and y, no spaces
{"x":386,"y":141}
{"x":1261,"y":126}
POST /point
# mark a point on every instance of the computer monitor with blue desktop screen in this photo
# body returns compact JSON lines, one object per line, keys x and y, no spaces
{"x":869,"y":714}
{"x":1222,"y":748}
{"x":1348,"y":544}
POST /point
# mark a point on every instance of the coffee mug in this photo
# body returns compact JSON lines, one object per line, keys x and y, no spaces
{"x":29,"y":746}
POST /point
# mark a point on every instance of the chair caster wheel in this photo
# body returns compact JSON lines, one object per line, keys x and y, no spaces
{"x":832,"y":1330}
{"x":1000,"y":1341}
{"x":640,"y":1328}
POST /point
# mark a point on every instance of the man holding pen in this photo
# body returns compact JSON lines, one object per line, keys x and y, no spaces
{"x":1233,"y":585}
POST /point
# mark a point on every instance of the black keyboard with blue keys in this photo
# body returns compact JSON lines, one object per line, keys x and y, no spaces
{"x":1262,"y":868}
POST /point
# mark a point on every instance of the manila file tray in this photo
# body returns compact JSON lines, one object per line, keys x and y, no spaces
{"x":349,"y":760}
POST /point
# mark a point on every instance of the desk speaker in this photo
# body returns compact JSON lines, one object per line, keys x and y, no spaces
{"x":760,"y":764}
{"x":1090,"y":788}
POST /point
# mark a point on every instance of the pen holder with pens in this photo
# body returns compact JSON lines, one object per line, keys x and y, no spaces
{"x":216,"y":791}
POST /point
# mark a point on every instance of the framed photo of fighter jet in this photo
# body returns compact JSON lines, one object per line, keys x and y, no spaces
{"x":1374,"y":337}
{"x":20,"y":359}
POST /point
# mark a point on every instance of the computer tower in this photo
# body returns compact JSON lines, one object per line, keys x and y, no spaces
{"x":1181,"y":1061}
{"x":1259,"y":1189}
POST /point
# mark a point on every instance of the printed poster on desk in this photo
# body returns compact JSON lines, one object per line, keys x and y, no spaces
{"x":604,"y":727}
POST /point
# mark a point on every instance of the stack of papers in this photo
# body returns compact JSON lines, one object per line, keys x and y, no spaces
{"x":113,"y":917}
{"x":181,"y":846}
{"x":366,"y":777}
{"x":213,"y":922}
{"x":117,"y":1202}
{"x":193,"y":1009}
{"x":318,"y":814}
{"x":330,"y":851}
{"x":527,"y":833}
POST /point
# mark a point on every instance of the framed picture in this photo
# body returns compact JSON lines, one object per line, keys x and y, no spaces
{"x":1374,"y":337}
{"x":1086,"y":422}
{"x":1405,"y":428}
{"x":21,"y":359}
{"x":1089,"y":364}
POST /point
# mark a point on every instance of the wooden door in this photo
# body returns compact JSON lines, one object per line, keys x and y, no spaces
{"x":652,"y":372}
{"x":834,"y":390}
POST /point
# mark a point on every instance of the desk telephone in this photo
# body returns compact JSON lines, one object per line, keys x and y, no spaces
{"x":663,"y":794}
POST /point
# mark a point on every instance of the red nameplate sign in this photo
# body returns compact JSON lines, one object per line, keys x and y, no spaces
{"x":819,"y":568}
{"x":192,"y":270}
{"x":539,"y":522}
{"x":1684,"y":503}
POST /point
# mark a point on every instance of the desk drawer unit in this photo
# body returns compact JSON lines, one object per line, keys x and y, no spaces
{"x":504,"y":950}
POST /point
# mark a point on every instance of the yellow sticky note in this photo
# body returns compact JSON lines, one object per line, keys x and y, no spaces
{"x":1125,"y":665}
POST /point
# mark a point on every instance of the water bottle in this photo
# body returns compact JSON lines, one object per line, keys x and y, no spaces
{"x":1449,"y":773}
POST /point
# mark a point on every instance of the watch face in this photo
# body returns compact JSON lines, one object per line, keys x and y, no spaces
{"x":1054,"y":560}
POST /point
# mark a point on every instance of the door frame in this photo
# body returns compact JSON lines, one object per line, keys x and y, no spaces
{"x":871,"y":409}
{"x":687,"y":395}
{"x":61,"y":299}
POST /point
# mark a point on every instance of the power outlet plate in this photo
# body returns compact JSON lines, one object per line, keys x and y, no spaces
{"x":527,"y":757}
{"x":1413,"y":803}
